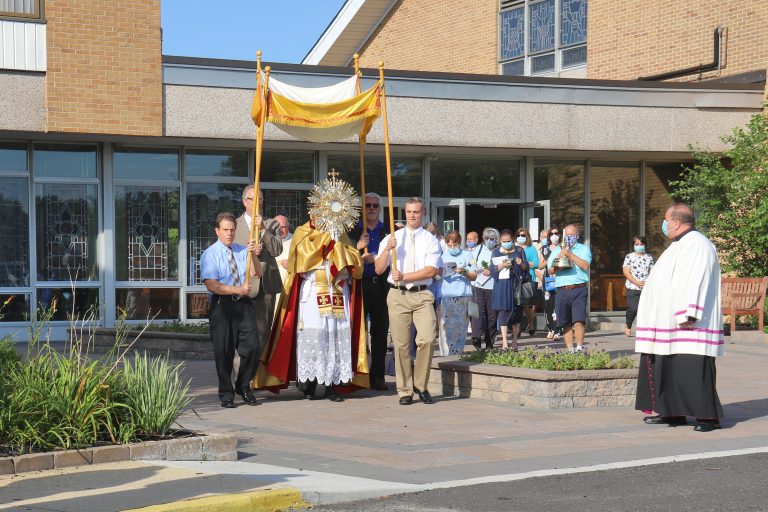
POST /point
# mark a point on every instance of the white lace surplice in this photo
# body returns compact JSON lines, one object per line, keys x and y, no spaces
{"x":324,"y":345}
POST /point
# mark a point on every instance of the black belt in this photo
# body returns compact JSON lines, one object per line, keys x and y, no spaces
{"x":232,"y":298}
{"x":572,"y":286}
{"x":374,"y":279}
{"x":419,"y":288}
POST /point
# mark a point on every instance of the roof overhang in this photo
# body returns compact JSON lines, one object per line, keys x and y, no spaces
{"x":348,"y":32}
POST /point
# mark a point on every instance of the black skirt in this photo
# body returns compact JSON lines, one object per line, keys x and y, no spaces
{"x":678,"y":385}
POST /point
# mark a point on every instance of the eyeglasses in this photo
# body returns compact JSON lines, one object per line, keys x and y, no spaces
{"x":371,"y":205}
{"x":521,"y":234}
{"x":249,"y":199}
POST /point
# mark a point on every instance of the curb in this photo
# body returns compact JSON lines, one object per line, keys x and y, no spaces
{"x":268,"y":500}
{"x":214,"y":447}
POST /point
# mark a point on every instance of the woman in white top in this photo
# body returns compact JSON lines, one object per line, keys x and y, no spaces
{"x":637,"y":266}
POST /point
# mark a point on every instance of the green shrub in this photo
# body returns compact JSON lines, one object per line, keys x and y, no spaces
{"x":179,"y":327}
{"x":155,"y":393}
{"x":547,"y":359}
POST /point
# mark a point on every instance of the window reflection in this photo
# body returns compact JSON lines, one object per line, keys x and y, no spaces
{"x":406,"y":173}
{"x":562,"y":182}
{"x":14,"y":232}
{"x":80,"y":304}
{"x":199,"y":162}
{"x":658,"y":196}
{"x":147,"y":164}
{"x":14,"y":307}
{"x":287,"y":167}
{"x":475,"y":178}
{"x":148,"y":303}
{"x":64,"y":161}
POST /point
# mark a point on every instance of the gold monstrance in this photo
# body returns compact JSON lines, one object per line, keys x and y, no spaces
{"x":334,"y":205}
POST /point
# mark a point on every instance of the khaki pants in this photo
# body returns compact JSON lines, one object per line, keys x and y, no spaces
{"x":407,"y":309}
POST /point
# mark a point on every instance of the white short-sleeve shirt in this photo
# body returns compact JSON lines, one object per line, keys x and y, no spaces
{"x":428,"y":253}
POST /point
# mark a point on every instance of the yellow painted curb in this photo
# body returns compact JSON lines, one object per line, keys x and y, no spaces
{"x":268,"y":500}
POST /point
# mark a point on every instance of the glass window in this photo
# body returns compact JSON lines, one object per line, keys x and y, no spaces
{"x":291,"y":203}
{"x":562,"y":182}
{"x":204,"y":202}
{"x":20,"y":8}
{"x":64,"y":161}
{"x":14,"y":232}
{"x":147,"y":164}
{"x":197,"y":305}
{"x":199,"y":162}
{"x":83,"y":302}
{"x":542,"y":26}
{"x":14,"y":307}
{"x":658,"y":196}
{"x":406,"y":173}
{"x":278,"y":166}
{"x":514,"y":68}
{"x":147,"y":228}
{"x":512,"y":33}
{"x":614,"y":199}
{"x":13,"y":157}
{"x":574,"y":56}
{"x":543,"y":63}
{"x":143,"y":303}
{"x":67,"y":229}
{"x":475,"y":178}
{"x":573,"y":22}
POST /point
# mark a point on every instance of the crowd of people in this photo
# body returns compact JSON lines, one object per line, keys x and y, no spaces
{"x":309,"y":304}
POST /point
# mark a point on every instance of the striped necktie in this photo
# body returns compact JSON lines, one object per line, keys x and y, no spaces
{"x":233,"y":268}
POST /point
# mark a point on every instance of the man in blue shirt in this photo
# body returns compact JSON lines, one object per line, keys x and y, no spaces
{"x":572,"y":285}
{"x":231,"y":316}
{"x":375,"y":287}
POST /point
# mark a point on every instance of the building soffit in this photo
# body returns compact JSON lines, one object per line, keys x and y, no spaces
{"x":349,"y":30}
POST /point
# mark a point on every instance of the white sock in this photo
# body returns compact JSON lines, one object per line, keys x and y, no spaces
{"x":579,"y":349}
{"x":571,"y":350}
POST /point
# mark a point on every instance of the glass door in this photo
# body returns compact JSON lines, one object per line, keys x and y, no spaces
{"x":535,"y":217}
{"x":449,"y":215}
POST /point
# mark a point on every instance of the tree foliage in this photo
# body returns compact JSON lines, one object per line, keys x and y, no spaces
{"x":728,"y":192}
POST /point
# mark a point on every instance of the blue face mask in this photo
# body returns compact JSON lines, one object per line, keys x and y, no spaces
{"x":521,"y":240}
{"x":640,"y":249}
{"x":471,"y":245}
{"x":455,"y":251}
{"x":664,"y":228}
{"x":507,"y":245}
{"x":490,"y":244}
{"x":571,"y":240}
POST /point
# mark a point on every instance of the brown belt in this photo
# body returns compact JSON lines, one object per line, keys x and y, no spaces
{"x":572,"y":286}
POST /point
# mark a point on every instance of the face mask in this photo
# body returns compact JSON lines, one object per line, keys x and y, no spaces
{"x":640,"y":248}
{"x":571,"y":240}
{"x":555,"y":238}
{"x":521,"y":240}
{"x":507,"y":245}
{"x":664,"y":228}
{"x":471,"y":245}
{"x":490,"y":244}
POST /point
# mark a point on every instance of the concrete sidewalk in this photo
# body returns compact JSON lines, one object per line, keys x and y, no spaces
{"x":370,"y":445}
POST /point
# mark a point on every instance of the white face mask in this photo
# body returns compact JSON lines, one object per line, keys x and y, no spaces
{"x":555,"y":238}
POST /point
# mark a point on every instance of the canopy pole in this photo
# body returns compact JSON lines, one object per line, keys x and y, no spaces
{"x":360,"y":143}
{"x":259,"y":146}
{"x":388,"y":161}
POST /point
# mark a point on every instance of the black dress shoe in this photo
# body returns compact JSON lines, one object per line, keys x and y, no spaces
{"x":477,"y":343}
{"x":706,"y":426}
{"x":249,"y":398}
{"x":332,"y":395}
{"x":425,"y":396}
{"x":379,"y":384}
{"x":406,"y":400}
{"x":229,"y":404}
{"x":672,"y":421}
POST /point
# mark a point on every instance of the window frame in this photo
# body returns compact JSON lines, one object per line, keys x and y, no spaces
{"x":37,"y":16}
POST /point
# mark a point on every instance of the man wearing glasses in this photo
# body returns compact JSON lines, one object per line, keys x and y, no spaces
{"x":271,"y":283}
{"x":484,"y":326}
{"x":375,"y":287}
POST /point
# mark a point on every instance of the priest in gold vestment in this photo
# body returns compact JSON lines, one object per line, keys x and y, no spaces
{"x":318,"y":336}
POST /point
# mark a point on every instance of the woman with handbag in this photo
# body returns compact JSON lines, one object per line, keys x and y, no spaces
{"x":509,"y":268}
{"x":548,"y":284}
{"x":536,"y":262}
{"x":456,"y":290}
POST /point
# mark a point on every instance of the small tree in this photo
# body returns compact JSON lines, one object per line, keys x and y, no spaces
{"x":729,"y":193}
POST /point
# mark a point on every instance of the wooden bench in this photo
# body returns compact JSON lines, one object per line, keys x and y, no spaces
{"x":744,"y":296}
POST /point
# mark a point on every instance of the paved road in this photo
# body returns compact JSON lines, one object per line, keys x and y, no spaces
{"x":729,"y":483}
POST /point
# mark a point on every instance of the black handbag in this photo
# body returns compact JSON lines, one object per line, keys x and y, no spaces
{"x":525,"y":291}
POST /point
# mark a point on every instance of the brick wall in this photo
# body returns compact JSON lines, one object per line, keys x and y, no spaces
{"x":104,"y":67}
{"x":647,"y":37}
{"x":450,"y":35}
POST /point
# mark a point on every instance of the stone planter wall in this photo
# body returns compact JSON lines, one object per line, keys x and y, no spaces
{"x":177,"y":345}
{"x":534,"y":388}
{"x":220,"y":447}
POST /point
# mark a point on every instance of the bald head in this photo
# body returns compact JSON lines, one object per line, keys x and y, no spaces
{"x":285,"y":225}
{"x":679,"y":218}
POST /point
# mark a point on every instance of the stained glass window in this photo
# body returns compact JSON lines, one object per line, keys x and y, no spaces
{"x":512,"y":33}
{"x":14,"y":232}
{"x":291,"y":203}
{"x":542,"y":28}
{"x":573,"y":22}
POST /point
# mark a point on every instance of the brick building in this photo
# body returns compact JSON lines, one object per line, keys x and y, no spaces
{"x":114,"y":158}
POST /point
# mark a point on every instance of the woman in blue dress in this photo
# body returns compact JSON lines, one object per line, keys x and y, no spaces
{"x":509,"y":264}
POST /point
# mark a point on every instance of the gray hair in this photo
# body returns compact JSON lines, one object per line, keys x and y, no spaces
{"x":491,"y":233}
{"x":248,"y":189}
{"x":373,"y":195}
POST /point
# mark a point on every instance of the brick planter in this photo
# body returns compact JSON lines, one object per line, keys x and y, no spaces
{"x":534,"y":388}
{"x":204,"y":448}
{"x":177,"y":345}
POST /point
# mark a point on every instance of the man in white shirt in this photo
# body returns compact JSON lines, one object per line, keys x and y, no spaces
{"x":409,"y":300}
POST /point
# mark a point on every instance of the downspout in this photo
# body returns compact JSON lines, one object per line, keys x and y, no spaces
{"x":714,"y":65}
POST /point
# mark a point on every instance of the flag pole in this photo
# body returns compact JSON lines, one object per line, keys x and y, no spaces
{"x":259,"y":146}
{"x":360,"y":143}
{"x":388,"y":160}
